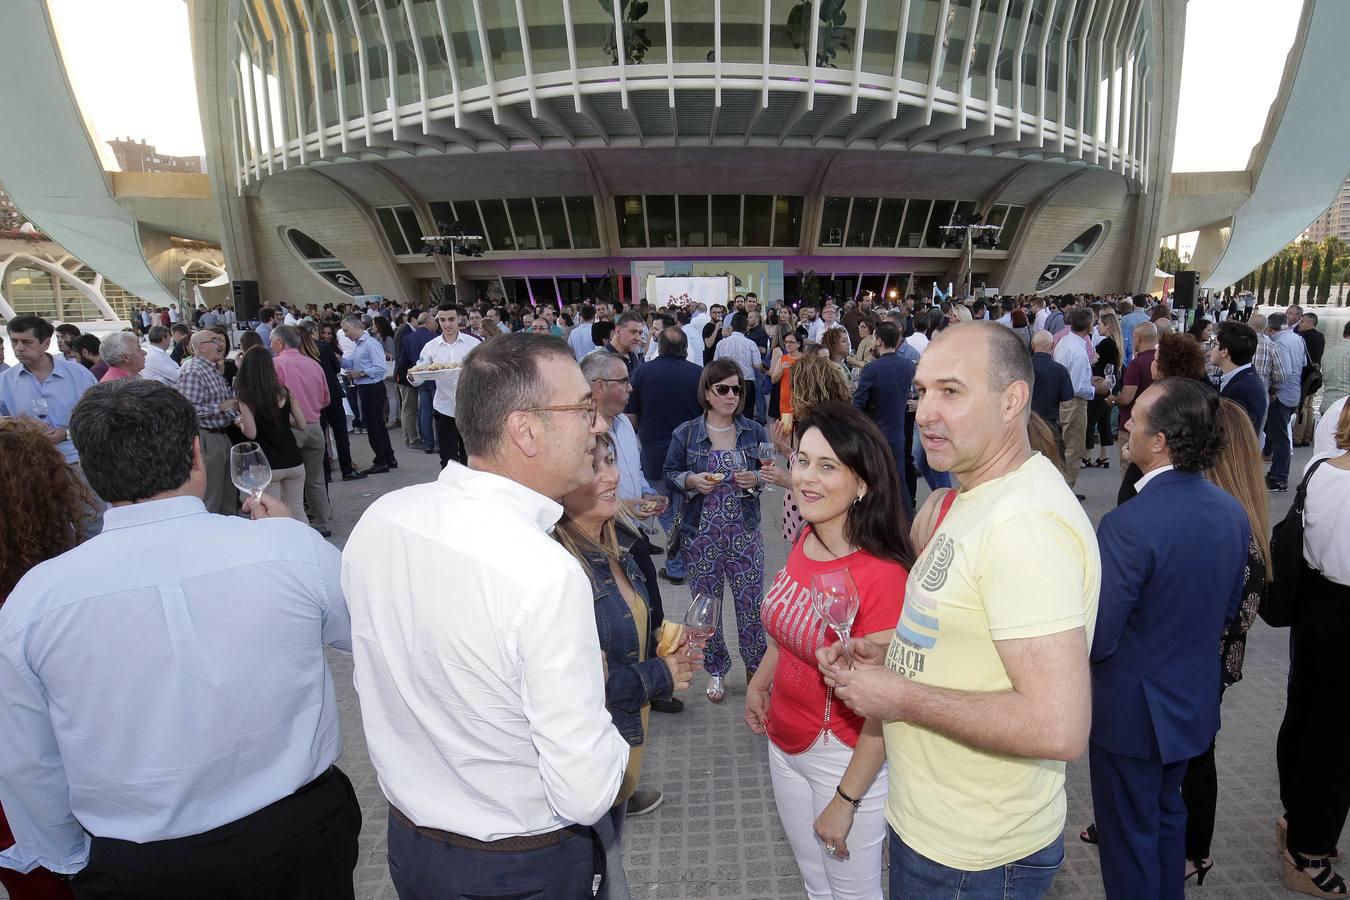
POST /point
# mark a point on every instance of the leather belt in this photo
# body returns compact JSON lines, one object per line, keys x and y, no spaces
{"x":504,"y":845}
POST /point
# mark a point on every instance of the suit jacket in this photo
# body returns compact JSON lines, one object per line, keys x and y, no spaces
{"x":1246,"y":389}
{"x":883,"y":393}
{"x":1173,"y":560}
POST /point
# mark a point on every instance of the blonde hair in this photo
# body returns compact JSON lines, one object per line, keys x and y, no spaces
{"x":1042,"y":440}
{"x":816,"y":380}
{"x":1343,"y":429}
{"x":1239,"y":472}
{"x":577,"y":542}
{"x":963,"y":313}
{"x":1109,"y":326}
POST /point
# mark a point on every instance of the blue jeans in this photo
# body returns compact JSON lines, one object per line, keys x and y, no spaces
{"x":426,"y":428}
{"x":610,"y":829}
{"x":915,"y":877}
{"x":674,"y":562}
{"x":1278,"y":439}
{"x":934,"y":478}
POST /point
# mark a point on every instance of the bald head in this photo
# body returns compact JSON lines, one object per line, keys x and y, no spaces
{"x":1042,"y":342}
{"x":1145,"y":336}
{"x":1258,"y":322}
{"x":1008,"y":359}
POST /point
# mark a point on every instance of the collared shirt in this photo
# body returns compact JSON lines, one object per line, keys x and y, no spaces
{"x":1228,"y":376}
{"x":117,"y":374}
{"x":1293,"y":353}
{"x":477,"y":660}
{"x":742,"y":351}
{"x":159,"y":700}
{"x":1149,"y":476}
{"x":919,"y":341}
{"x":438,"y":350}
{"x":64,"y":386}
{"x":159,"y":366}
{"x":205,"y":388}
{"x":1267,"y":362}
{"x":306,"y":381}
{"x":815,"y":330}
{"x":628,"y":457}
{"x":265,"y":332}
{"x":1335,"y":371}
{"x":366,"y":356}
{"x":694,"y":332}
{"x":1039,"y":323}
{"x":1072,"y":355}
{"x":580,"y":340}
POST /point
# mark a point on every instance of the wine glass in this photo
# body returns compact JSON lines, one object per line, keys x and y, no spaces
{"x":739,"y":462}
{"x":835,"y":597}
{"x":702,"y":618}
{"x":40,"y":410}
{"x":766,"y":454}
{"x":249,"y":469}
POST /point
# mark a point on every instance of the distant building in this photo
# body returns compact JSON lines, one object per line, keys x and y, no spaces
{"x":10,"y":217}
{"x":1335,"y":222}
{"x":138,"y":156}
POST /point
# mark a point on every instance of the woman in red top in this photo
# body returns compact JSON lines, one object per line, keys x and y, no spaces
{"x":825,"y":761}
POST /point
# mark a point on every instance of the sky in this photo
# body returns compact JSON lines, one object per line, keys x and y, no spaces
{"x":131,"y":64}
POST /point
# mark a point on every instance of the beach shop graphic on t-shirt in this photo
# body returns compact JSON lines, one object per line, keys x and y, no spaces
{"x":917,"y":631}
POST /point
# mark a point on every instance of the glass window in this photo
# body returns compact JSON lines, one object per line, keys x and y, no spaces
{"x":632,"y":225}
{"x":693,"y":220}
{"x":942,"y":215}
{"x":692,"y":30}
{"x":442,"y":214}
{"x":389,"y":222}
{"x":726,"y":220}
{"x":1010,"y":225}
{"x":861,"y":220}
{"x":523,"y":223}
{"x":757,"y":227}
{"x":498,"y":228}
{"x":997,"y":215}
{"x":787,"y":221}
{"x":742,"y":31}
{"x":833,"y":218}
{"x":466,"y":213}
{"x":581,"y":216}
{"x":554,"y":223}
{"x":964,"y":210}
{"x":879,"y":36}
{"x":1070,"y":258}
{"x":468,"y":53}
{"x":956,"y":44}
{"x":923,"y":25}
{"x":542,"y":292}
{"x":916,"y":214}
{"x":661,"y":229}
{"x":503,"y":33}
{"x":411,"y":230}
{"x":984,"y":45}
{"x":888,"y":222}
{"x":781,"y":49}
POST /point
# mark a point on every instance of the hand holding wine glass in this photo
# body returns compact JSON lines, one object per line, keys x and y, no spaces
{"x":249,"y":469}
{"x":702,"y":619}
{"x":767,"y":463}
{"x":835,"y":597}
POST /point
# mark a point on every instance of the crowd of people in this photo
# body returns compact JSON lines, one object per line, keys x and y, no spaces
{"x":170,"y":721}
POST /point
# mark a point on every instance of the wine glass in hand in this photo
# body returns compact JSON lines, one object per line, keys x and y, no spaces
{"x":702,"y":619}
{"x":767,"y":455}
{"x":835,"y":597}
{"x":739,"y":462}
{"x":249,"y":469}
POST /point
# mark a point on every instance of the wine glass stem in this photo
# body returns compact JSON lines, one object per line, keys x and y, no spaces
{"x":848,"y":646}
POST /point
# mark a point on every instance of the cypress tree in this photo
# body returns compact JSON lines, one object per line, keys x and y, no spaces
{"x":1261,"y":283}
{"x":1314,"y":276}
{"x":1282,"y":282}
{"x":1298,"y":278}
{"x":1324,"y":283}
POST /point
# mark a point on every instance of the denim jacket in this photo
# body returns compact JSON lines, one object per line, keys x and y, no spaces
{"x":688,"y":455}
{"x":631,"y":684}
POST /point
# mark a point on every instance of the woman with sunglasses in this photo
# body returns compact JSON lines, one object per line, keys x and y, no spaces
{"x":710,"y":459}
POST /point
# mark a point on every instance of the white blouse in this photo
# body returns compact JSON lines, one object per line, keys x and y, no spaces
{"x":1326,"y":523}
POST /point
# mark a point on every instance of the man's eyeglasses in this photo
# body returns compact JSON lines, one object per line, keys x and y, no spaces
{"x":587,"y":407}
{"x":722,"y":390}
{"x":613,"y":380}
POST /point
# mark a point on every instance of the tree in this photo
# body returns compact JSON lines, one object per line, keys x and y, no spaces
{"x":1298,"y":278}
{"x":1282,"y":294}
{"x":1168,"y":260}
{"x":1314,"y":275}
{"x":1332,"y":247}
{"x":1261,"y":283}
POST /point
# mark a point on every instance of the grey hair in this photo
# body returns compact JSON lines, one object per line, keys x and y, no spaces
{"x":289,"y":336}
{"x":500,"y":377}
{"x":156,"y":334}
{"x":598,"y":363}
{"x":358,"y":321}
{"x":116,"y":348}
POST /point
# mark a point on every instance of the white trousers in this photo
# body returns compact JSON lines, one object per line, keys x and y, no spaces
{"x":803,"y":784}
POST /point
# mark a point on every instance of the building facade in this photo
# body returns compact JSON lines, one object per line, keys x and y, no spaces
{"x":1335,"y":222}
{"x":138,"y":156}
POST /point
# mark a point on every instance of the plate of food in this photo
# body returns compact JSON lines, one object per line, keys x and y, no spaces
{"x":435,"y":367}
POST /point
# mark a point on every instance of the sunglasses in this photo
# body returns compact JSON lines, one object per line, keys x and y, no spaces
{"x":723,"y":389}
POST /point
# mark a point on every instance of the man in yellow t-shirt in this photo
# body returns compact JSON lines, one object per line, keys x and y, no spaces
{"x":985,"y":688}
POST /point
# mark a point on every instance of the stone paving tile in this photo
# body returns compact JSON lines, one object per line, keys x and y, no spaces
{"x":717,"y":834}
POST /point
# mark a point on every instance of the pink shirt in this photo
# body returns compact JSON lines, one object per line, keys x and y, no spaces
{"x":114,"y":374}
{"x":304,"y":378}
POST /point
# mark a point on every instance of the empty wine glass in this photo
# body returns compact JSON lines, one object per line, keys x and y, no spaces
{"x":40,"y":410}
{"x":835,"y":597}
{"x":766,"y":454}
{"x":702,"y":619}
{"x":739,"y":462}
{"x":249,"y":469}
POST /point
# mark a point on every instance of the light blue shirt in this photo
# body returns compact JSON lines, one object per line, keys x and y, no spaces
{"x":367,"y":356}
{"x":580,"y":340}
{"x":628,"y":458}
{"x":165,"y":678}
{"x":265,"y":332}
{"x":62,"y":390}
{"x":1294,"y":354}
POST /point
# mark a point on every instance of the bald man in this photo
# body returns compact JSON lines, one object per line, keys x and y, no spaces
{"x":1138,"y":376}
{"x":1052,"y":386}
{"x":200,"y":381}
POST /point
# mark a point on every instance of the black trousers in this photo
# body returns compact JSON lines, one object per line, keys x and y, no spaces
{"x":1099,"y":424}
{"x":373,"y":402}
{"x":642,"y":555}
{"x":1310,"y":753}
{"x":302,"y":847}
{"x":448,"y":441}
{"x":334,"y":419}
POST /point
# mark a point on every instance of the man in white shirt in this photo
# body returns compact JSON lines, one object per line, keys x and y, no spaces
{"x":449,"y":348}
{"x":477,"y":660}
{"x":741,"y":350}
{"x":1073,"y":355}
{"x":829,"y":319}
{"x":159,"y":365}
{"x":694,"y":331}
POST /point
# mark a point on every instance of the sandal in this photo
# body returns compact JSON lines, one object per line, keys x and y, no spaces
{"x":1103,"y":463}
{"x":1312,"y":875}
{"x":1089,"y":834}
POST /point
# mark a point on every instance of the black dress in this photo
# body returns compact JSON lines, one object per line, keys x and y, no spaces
{"x":1098,"y":410}
{"x":278,"y":441}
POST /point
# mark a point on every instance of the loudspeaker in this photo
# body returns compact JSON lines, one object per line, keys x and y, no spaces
{"x":245,"y":300}
{"x":1187,"y":289}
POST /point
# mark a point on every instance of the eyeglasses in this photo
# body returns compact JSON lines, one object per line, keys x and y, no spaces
{"x":623,"y":381}
{"x":587,"y":407}
{"x":723,"y":389}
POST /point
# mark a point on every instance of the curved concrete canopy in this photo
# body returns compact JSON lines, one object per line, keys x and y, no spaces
{"x":1300,"y":162}
{"x":54,"y":172}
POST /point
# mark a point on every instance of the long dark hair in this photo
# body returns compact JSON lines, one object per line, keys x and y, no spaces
{"x":383,"y":327}
{"x":879,"y":522}
{"x":257,"y":385}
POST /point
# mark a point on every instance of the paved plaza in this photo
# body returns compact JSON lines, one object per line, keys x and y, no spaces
{"x":717,"y":833}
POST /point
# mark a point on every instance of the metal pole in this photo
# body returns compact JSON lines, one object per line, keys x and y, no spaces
{"x":970,"y":259}
{"x":454,"y":279}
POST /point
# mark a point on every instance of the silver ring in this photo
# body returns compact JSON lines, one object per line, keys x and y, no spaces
{"x":829,"y":848}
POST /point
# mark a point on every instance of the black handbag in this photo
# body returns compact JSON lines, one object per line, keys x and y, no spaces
{"x":1279,"y":606}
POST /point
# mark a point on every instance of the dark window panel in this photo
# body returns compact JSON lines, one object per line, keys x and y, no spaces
{"x":498,"y":229}
{"x":888,"y":223}
{"x":757,"y":226}
{"x":389,"y":222}
{"x":632,"y":225}
{"x":524,"y":224}
{"x":787,"y":221}
{"x":554,"y":223}
{"x":581,"y":216}
{"x":860,"y":221}
{"x":661,"y":220}
{"x":833,"y":218}
{"x":726,"y":220}
{"x":693,"y":220}
{"x":466,"y":213}
{"x":411,"y":229}
{"x":911,"y":232}
{"x":942,"y":215}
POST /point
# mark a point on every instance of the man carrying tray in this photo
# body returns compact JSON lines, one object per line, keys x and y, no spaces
{"x":439,"y":361}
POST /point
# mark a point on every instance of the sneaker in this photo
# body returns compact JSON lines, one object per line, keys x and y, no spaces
{"x":1276,"y":487}
{"x":668,"y":705}
{"x":643,"y":802}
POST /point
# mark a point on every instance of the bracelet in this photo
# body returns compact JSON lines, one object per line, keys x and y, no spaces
{"x":840,"y":791}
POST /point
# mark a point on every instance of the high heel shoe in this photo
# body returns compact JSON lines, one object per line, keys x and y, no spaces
{"x":1202,"y":867}
{"x":1313,"y":876}
{"x":1282,"y":840}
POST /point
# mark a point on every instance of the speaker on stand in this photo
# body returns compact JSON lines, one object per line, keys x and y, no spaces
{"x":245,"y":300}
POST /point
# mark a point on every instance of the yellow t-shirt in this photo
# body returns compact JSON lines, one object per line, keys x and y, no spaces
{"x":1014,"y":558}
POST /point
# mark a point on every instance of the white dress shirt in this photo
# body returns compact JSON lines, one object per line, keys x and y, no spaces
{"x":159,"y":366}
{"x":437,"y":350}
{"x":1072,"y":355}
{"x":694,"y":332}
{"x":477,"y":660}
{"x":919,"y":341}
{"x":1149,"y":476}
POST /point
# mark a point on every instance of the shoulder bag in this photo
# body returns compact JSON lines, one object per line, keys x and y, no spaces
{"x":1279,"y":606}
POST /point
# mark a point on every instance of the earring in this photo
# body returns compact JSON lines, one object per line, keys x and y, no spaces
{"x":857,"y":500}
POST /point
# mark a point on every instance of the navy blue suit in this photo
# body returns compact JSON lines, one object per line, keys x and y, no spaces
{"x":1173,"y":560}
{"x":1247,"y":390}
{"x":883,"y":394}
